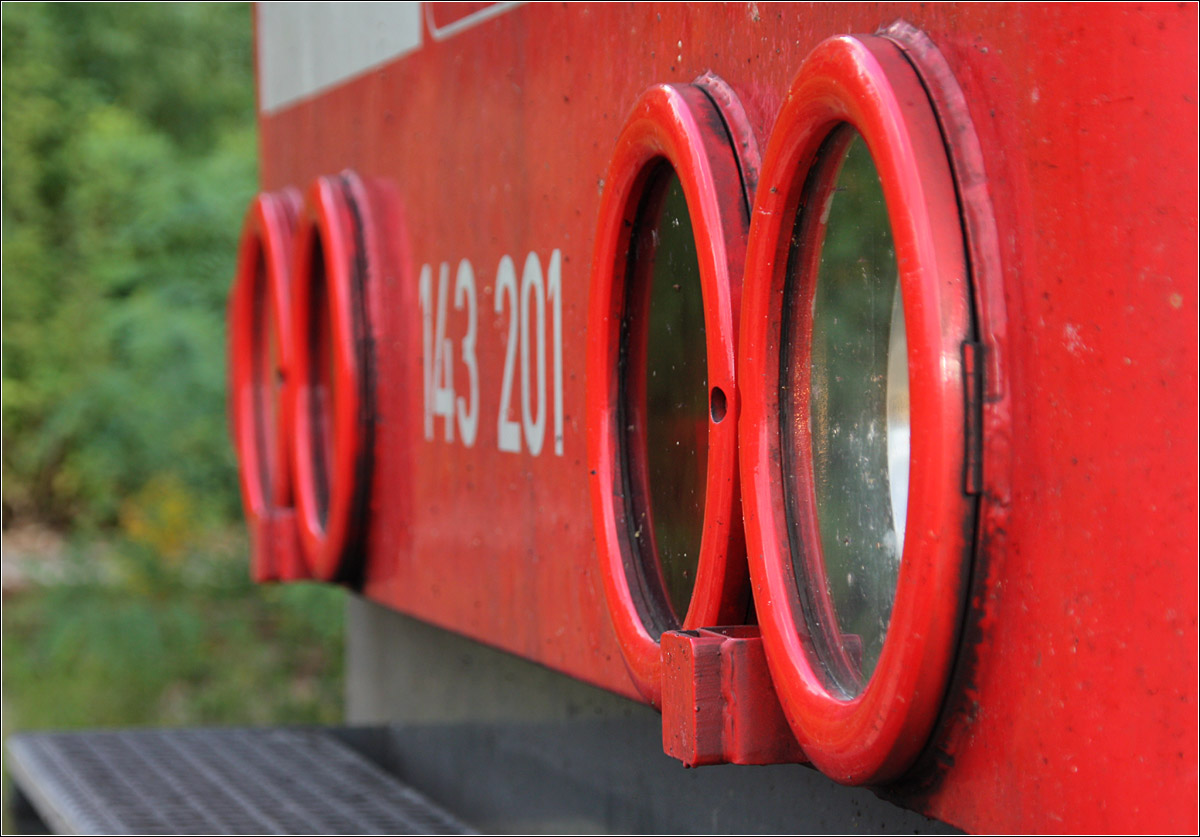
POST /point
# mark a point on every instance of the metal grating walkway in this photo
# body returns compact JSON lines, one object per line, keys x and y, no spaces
{"x":215,"y":781}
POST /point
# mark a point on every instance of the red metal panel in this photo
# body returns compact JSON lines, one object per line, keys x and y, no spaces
{"x":1073,"y":703}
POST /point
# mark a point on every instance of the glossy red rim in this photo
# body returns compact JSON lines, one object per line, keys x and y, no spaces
{"x":865,"y":82}
{"x":262,"y":291}
{"x":678,"y":125}
{"x":330,"y":396}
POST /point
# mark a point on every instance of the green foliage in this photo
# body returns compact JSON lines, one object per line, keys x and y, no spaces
{"x":222,"y":652}
{"x":129,"y":159}
{"x":128,"y":156}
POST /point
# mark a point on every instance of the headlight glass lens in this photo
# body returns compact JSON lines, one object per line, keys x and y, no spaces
{"x":665,"y":403}
{"x":857,"y":415}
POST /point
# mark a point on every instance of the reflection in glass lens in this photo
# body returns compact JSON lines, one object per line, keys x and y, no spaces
{"x":676,"y":393}
{"x":859,"y":417}
{"x":897,"y":417}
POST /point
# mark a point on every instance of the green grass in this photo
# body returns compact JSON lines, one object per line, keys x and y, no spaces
{"x":159,"y":643}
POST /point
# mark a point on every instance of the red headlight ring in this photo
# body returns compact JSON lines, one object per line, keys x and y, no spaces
{"x":866,"y":82}
{"x":261,"y":309}
{"x":332,"y":397}
{"x":678,"y":124}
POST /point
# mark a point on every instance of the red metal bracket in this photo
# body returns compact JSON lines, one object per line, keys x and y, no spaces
{"x":719,"y":705}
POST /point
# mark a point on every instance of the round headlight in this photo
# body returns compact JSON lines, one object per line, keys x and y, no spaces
{"x":261,"y":343}
{"x":332,"y":396}
{"x":853,"y":438}
{"x":662,"y":399}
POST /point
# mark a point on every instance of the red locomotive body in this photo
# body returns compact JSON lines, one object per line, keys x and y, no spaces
{"x":446,"y":331}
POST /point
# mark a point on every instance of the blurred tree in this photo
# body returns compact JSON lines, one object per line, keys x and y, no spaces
{"x":128,"y":156}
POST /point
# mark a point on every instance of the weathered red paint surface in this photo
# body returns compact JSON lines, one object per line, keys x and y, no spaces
{"x":1074,"y":704}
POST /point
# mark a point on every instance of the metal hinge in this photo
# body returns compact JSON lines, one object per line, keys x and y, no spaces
{"x":972,"y":358}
